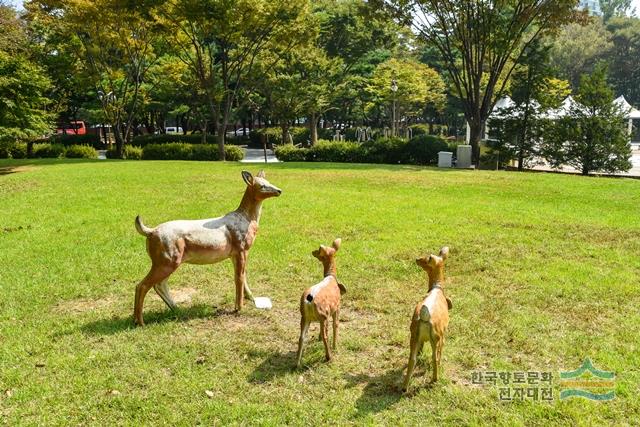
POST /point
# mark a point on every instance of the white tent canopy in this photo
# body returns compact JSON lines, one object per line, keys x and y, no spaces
{"x":506,"y":102}
{"x":632,"y":113}
{"x":500,"y":110}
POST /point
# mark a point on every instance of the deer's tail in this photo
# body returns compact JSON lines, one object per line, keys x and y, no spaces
{"x":141,"y":228}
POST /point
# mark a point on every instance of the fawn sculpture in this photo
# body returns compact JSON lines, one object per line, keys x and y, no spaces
{"x":322,"y":301}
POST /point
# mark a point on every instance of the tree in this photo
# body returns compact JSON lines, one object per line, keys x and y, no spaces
{"x":623,"y":57}
{"x":417,"y":86}
{"x":533,"y":91}
{"x":481,"y":42}
{"x":578,"y":48}
{"x":360,"y":36}
{"x":115,"y":48}
{"x":301,"y":82}
{"x":23,"y":85}
{"x":593,"y":136}
{"x":615,"y":8}
{"x":221,"y":39}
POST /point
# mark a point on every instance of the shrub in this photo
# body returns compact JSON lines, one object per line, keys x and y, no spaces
{"x":233,"y":153}
{"x":194,"y":138}
{"x":205,"y":152}
{"x":50,"y":151}
{"x":419,"y":129}
{"x":132,"y":153}
{"x":338,"y":151}
{"x":423,"y":149}
{"x":181,"y":151}
{"x":289,"y":153}
{"x":69,"y":140}
{"x":143,"y":140}
{"x":299,"y":134}
{"x":385,"y":150}
{"x":80,"y":152}
{"x":18,"y":150}
{"x":167,"y":151}
{"x":13,"y":150}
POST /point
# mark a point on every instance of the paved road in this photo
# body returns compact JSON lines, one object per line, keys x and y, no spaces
{"x":256,"y":155}
{"x":634,"y":171}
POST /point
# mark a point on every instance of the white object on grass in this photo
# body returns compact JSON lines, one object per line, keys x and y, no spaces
{"x":263,"y":303}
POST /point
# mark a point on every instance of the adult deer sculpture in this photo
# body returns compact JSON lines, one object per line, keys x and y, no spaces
{"x":206,"y":241}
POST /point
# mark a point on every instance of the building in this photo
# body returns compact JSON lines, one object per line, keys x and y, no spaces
{"x":593,"y":6}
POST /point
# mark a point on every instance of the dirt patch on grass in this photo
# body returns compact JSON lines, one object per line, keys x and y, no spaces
{"x":83,"y":305}
{"x":14,"y":229}
{"x":7,"y":170}
{"x":181,"y":296}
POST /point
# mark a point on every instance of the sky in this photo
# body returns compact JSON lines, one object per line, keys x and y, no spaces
{"x":18,"y":3}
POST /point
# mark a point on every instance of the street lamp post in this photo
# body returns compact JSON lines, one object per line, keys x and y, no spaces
{"x":394,"y":89}
{"x":105,"y":99}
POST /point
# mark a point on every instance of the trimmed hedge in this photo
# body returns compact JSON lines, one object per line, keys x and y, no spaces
{"x":48,"y":151}
{"x":419,"y":129}
{"x":13,"y":150}
{"x":130,"y":153}
{"x":182,"y":151}
{"x":69,"y":140}
{"x":80,"y":152}
{"x":194,"y":138}
{"x":300,"y":135}
{"x":421,"y":150}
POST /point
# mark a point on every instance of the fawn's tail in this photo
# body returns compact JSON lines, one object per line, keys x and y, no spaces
{"x":142,"y":229}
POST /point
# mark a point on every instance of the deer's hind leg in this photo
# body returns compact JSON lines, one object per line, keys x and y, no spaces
{"x":156,"y":276}
{"x":163,"y":290}
{"x":304,"y":328}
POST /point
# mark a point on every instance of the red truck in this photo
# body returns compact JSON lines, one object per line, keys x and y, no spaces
{"x":73,"y":128}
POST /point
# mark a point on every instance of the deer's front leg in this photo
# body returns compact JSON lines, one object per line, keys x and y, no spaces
{"x":247,"y":291}
{"x":240,"y":264}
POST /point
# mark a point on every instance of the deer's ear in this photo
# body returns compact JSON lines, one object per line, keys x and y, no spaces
{"x":248,"y":178}
{"x":261,"y":174}
{"x":444,"y":252}
{"x":336,"y":244}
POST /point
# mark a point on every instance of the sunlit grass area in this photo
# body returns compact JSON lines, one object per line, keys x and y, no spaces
{"x":543,"y":272}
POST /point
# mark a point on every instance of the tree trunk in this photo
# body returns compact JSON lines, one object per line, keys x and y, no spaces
{"x":284,"y":125}
{"x":221,"y":133}
{"x":204,"y":131}
{"x":313,"y":128}
{"x":475,"y":135}
{"x":119,"y":142}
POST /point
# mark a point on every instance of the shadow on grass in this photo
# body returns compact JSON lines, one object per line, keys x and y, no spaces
{"x":351,"y":166}
{"x":380,"y":392}
{"x":114,"y":325}
{"x":274,"y":366}
{"x":16,"y":163}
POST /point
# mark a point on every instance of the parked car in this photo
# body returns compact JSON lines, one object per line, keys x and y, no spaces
{"x":173,"y":129}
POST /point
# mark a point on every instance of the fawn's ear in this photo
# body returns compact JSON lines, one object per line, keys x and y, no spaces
{"x":248,"y":178}
{"x":261,"y":174}
{"x":317,"y":253}
{"x":444,"y":252}
{"x":343,"y":289}
{"x":336,"y":244}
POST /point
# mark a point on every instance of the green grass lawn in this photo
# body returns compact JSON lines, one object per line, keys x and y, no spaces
{"x":543,"y":272}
